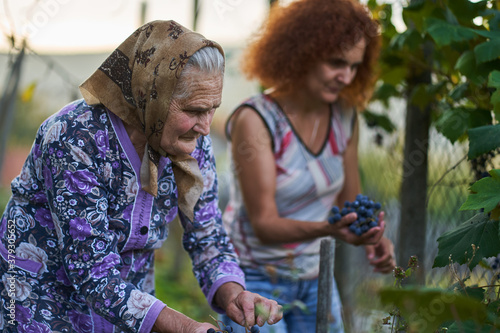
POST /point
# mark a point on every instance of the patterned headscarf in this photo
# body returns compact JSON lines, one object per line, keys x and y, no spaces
{"x":136,"y":83}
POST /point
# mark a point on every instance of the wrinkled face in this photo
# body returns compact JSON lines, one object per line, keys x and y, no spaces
{"x":191,"y":117}
{"x":327,"y":78}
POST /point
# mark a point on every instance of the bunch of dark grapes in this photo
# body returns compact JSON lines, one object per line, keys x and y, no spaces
{"x":228,"y":329}
{"x":481,"y":164}
{"x":496,"y":263}
{"x":366,"y":210}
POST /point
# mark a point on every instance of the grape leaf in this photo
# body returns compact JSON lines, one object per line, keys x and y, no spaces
{"x":494,"y":82}
{"x":445,"y":33}
{"x":453,"y":123}
{"x":466,"y":64}
{"x":458,"y":92}
{"x":372,"y":119}
{"x":483,"y":139}
{"x":491,"y":34}
{"x":485,"y":193}
{"x":385,"y":92}
{"x":425,"y":309}
{"x":409,"y":38}
{"x":471,"y":327}
{"x":457,"y":243}
{"x":487,"y":51}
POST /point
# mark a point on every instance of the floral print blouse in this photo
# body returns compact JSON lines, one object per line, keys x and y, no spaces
{"x":78,"y":235}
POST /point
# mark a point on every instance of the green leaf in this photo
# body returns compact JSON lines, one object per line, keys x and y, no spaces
{"x":454,"y":123}
{"x":495,"y":100}
{"x":425,"y":309}
{"x":395,"y":74}
{"x":421,"y":97}
{"x":445,"y":33}
{"x":493,"y":15}
{"x":474,"y":292}
{"x":382,"y":121}
{"x":492,"y":34}
{"x":487,"y":51}
{"x":494,"y":80}
{"x":483,"y":71}
{"x":415,"y":14}
{"x":415,"y":5}
{"x":450,"y":17}
{"x":466,"y":64}
{"x":458,"y":92}
{"x":457,"y":244}
{"x":485,"y":193}
{"x":483,"y":139}
{"x":385,"y":92}
{"x":494,"y":308}
{"x":409,"y":38}
{"x":471,"y":327}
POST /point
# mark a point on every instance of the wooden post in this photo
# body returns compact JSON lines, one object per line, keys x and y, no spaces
{"x":325,"y":280}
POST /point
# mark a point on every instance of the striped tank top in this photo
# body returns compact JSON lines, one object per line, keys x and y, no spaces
{"x":307,"y":186}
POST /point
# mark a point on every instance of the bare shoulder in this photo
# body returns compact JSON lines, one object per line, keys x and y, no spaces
{"x":247,"y":123}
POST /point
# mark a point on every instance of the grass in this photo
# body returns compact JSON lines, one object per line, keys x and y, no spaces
{"x":176,"y":285}
{"x":5,"y":194}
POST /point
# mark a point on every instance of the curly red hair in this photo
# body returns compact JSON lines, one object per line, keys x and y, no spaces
{"x":308,"y":31}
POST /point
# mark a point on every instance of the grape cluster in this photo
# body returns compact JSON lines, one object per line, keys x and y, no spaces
{"x":496,"y":263}
{"x":228,"y":329}
{"x":366,"y":210}
{"x":481,"y":164}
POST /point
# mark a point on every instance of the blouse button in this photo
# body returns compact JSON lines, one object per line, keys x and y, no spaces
{"x":144,"y":230}
{"x":127,"y":260}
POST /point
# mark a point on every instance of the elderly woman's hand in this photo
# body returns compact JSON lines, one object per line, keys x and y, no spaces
{"x":247,"y":308}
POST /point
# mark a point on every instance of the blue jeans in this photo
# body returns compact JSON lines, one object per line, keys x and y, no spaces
{"x":299,"y":300}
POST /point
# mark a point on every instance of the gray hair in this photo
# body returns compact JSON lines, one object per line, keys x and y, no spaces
{"x":208,"y":60}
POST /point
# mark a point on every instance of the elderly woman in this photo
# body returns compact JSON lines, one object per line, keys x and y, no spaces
{"x":104,"y":178}
{"x":294,"y":149}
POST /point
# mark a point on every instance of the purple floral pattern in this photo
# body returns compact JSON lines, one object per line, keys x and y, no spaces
{"x":74,"y":205}
{"x":44,"y":217}
{"x":102,"y":140}
{"x":82,"y":323}
{"x":79,"y":228}
{"x":101,"y":269}
{"x":80,"y":181}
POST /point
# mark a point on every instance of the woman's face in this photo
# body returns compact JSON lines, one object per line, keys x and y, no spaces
{"x":191,"y":117}
{"x":327,"y":78}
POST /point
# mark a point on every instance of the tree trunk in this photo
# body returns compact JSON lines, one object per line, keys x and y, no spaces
{"x":413,"y":222}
